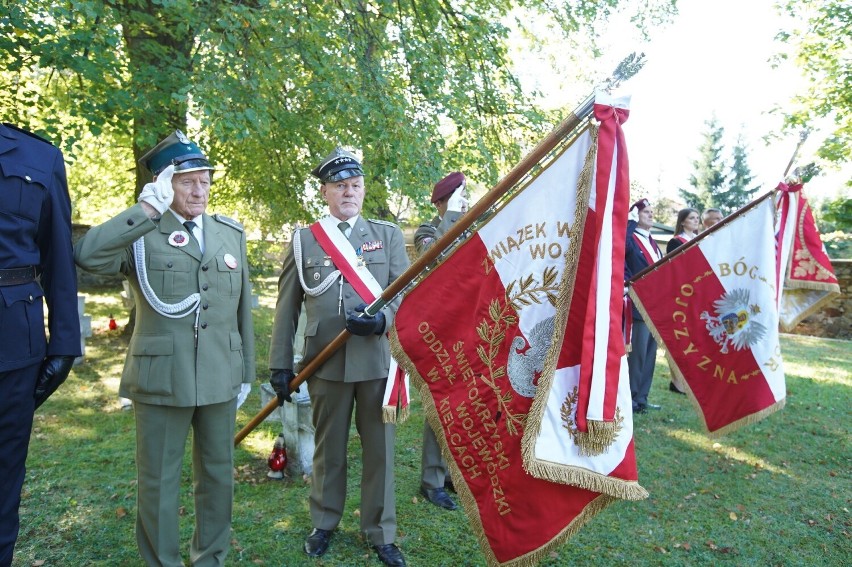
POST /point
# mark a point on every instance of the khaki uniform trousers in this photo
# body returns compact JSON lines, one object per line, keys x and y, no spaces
{"x":332,"y":415}
{"x":161,"y":433}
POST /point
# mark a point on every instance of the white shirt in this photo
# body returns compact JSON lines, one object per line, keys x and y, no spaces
{"x":655,"y":253}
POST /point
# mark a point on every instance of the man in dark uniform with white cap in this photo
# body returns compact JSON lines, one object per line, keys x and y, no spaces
{"x":640,"y":251}
{"x":192,"y":350}
{"x":330,"y":267}
{"x":448,"y":198}
{"x":36,"y":266}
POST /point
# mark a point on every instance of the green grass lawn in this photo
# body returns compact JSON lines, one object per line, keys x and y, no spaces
{"x":774,"y":493}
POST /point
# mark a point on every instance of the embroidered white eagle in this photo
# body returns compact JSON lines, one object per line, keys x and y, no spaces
{"x":735,"y":322}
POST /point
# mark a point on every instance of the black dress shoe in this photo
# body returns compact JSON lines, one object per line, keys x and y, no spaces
{"x":438,"y":497}
{"x":317,"y":542}
{"x":640,"y":409}
{"x":673,"y":388}
{"x":448,"y":484}
{"x":389,"y":554}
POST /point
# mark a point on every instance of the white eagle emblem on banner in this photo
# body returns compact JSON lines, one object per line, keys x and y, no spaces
{"x":735,"y":323}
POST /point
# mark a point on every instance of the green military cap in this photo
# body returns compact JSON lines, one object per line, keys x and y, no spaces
{"x":177,"y":150}
{"x":338,"y":165}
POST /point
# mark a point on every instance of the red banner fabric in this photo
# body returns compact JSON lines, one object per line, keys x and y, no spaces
{"x":451,"y":329}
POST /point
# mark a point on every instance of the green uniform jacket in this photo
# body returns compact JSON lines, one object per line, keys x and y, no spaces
{"x":360,"y":358}
{"x":428,"y":233}
{"x":164,"y":366}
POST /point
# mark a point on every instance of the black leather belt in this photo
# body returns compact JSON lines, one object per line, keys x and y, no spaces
{"x":17,"y":276}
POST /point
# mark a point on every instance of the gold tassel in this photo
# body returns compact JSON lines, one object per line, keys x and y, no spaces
{"x":388,"y":414}
{"x":599,"y":437}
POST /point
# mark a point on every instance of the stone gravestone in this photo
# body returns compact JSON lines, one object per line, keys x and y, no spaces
{"x":85,"y":327}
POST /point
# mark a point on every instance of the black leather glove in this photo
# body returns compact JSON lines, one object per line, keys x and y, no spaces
{"x":54,"y":371}
{"x":363,"y":325}
{"x":280,"y":382}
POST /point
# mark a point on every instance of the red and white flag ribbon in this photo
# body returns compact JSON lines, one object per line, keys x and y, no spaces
{"x":487,"y":329}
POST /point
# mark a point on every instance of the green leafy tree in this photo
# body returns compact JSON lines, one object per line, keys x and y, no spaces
{"x":707,"y":180}
{"x":268,"y":87}
{"x":818,"y":43}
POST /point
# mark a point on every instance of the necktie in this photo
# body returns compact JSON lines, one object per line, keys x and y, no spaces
{"x":190,"y":226}
{"x":343,"y":226}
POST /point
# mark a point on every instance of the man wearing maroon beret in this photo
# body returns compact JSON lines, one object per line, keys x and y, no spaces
{"x":448,"y":198}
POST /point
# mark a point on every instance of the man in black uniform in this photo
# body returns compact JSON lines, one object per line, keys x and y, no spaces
{"x":640,"y":251}
{"x":36,"y":264}
{"x":448,"y":198}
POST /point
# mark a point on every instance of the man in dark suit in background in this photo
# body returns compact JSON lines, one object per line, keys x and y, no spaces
{"x":640,"y":251}
{"x":36,"y":266}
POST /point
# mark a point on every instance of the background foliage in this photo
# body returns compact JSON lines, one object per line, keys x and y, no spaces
{"x":268,"y":87}
{"x":819,"y":44}
{"x":718,"y":182}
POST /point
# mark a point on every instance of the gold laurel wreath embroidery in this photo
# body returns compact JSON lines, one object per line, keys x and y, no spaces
{"x":528,"y":292}
{"x":493,"y":334}
{"x":567,"y":413}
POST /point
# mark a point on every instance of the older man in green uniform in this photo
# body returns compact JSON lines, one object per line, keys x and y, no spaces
{"x":192,"y":350}
{"x":448,"y":198}
{"x":332,"y":266}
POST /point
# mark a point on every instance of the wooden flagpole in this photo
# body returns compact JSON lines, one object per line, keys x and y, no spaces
{"x":626,"y":69}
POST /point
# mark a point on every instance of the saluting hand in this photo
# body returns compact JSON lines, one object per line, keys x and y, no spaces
{"x":457,"y":201}
{"x":159,"y":193}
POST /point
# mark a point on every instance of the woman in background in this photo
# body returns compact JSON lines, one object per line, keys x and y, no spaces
{"x":686,"y":228}
{"x":688,"y":221}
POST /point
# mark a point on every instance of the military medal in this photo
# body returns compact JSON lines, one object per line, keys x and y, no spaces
{"x":230,"y":261}
{"x":373,"y":245}
{"x":179,"y":239}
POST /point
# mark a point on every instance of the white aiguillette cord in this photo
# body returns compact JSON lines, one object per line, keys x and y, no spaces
{"x":170,"y":310}
{"x":325,"y":284}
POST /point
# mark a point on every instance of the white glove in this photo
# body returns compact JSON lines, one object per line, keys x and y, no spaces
{"x":633,"y":214}
{"x":245,"y":390}
{"x":457,"y":202}
{"x":159,"y":194}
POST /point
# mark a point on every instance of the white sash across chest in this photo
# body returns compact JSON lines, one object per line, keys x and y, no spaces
{"x":344,"y":257}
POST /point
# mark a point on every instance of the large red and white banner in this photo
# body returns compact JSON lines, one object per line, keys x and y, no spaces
{"x":580,"y":426}
{"x":478,"y":335}
{"x":713,"y":306}
{"x":805,"y":275}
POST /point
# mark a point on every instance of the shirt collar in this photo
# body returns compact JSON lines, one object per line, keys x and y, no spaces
{"x":351,"y":221}
{"x":197,"y":220}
